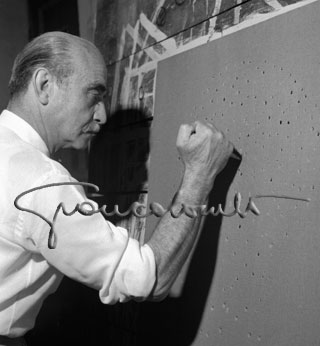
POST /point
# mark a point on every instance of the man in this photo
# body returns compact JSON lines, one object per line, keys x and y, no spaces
{"x":57,"y":88}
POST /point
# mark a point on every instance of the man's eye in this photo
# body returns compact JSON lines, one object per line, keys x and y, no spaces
{"x":96,"y":98}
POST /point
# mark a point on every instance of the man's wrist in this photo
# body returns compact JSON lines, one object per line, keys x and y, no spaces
{"x":195,"y":188}
{"x":191,"y":194}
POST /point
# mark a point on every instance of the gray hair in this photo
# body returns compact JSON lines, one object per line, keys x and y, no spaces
{"x":52,"y":51}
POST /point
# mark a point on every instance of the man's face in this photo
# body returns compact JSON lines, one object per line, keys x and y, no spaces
{"x":79,"y":108}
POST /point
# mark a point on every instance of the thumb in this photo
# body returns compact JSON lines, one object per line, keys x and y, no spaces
{"x":184,"y":134}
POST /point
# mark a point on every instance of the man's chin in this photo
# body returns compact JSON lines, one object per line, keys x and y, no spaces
{"x":79,"y":145}
{"x":82,"y":146}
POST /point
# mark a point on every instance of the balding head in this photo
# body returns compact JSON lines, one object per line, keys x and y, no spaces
{"x":53,"y":51}
{"x":58,"y":84}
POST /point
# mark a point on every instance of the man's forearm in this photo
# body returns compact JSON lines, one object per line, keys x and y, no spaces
{"x":173,"y":237}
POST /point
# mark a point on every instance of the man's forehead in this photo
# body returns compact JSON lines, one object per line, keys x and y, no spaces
{"x":91,"y":67}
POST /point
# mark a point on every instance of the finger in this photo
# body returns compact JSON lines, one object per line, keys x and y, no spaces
{"x":210,"y":125}
{"x":185,"y":131}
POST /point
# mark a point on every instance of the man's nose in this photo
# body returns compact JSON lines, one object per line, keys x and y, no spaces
{"x":100,"y":115}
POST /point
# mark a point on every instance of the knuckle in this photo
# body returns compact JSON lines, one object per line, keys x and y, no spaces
{"x":218,"y":136}
{"x":183,"y":126}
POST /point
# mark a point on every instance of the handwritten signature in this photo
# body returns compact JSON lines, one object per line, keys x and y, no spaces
{"x":156,"y":209}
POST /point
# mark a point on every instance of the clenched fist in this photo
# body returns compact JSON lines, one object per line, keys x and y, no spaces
{"x":204,"y":151}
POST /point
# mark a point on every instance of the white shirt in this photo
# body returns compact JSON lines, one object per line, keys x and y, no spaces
{"x":89,"y":249}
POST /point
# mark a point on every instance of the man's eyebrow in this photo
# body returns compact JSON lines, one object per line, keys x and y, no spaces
{"x":101,"y":88}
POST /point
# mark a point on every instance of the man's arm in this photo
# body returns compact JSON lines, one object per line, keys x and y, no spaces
{"x":204,"y":151}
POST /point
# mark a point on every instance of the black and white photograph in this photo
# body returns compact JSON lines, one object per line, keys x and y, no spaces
{"x":159,"y":172}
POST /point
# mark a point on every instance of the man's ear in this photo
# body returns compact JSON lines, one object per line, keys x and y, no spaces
{"x":43,"y":85}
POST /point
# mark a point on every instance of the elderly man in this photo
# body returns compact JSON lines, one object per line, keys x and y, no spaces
{"x":57,"y":88}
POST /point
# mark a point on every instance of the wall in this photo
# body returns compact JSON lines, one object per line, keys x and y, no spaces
{"x":13,"y":36}
{"x":87,"y":18}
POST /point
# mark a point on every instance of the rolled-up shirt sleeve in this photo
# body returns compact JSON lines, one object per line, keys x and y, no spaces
{"x":135,"y":275}
{"x":88,"y":248}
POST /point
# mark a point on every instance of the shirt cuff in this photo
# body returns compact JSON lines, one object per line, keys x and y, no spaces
{"x":134,"y":277}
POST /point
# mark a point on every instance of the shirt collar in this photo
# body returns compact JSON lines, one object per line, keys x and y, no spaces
{"x":24,"y":130}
